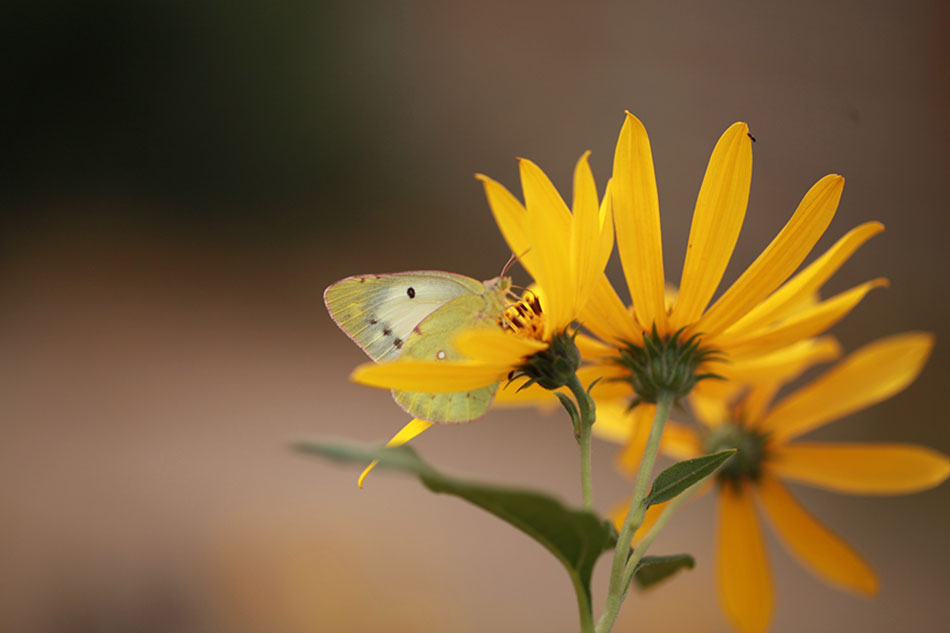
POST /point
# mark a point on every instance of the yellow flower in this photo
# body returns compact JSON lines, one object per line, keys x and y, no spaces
{"x":565,"y":253}
{"x":768,"y":455}
{"x":756,"y":315}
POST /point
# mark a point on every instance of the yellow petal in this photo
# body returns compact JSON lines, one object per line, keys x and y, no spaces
{"x":614,"y":423}
{"x":780,"y":258}
{"x":549,"y":224}
{"x":711,"y":411}
{"x":512,"y":221}
{"x":784,"y":365}
{"x":762,"y":376}
{"x":637,"y":217}
{"x":803,"y":325}
{"x":767,"y":374}
{"x":605,"y":218}
{"x":617,"y":423}
{"x":592,"y":349}
{"x":641,"y":420}
{"x":680,"y":441}
{"x":509,"y":396}
{"x":756,"y":402}
{"x":784,"y":300}
{"x":618,"y":513}
{"x":872,"y":374}
{"x":405,"y":434}
{"x":586,"y":252}
{"x":865,"y":469}
{"x":496,"y":346}
{"x":815,"y":546}
{"x":608,"y":388}
{"x":605,"y":390}
{"x":717,"y":220}
{"x":745,"y":584}
{"x":429,"y":376}
{"x":607,"y":317}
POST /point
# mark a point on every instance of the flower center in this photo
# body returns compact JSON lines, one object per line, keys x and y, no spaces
{"x":525,"y":317}
{"x":746,"y":464}
{"x":664,"y":365}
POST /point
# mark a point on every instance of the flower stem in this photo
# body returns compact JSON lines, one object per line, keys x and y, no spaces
{"x":587,"y":416}
{"x":661,"y":522}
{"x":618,"y":584}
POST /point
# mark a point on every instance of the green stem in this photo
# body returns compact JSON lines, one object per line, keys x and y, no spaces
{"x":661,"y":522}
{"x":588,"y":414}
{"x":618,"y":588}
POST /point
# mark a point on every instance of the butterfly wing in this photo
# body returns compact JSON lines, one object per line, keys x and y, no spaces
{"x":432,"y":340}
{"x":416,"y":315}
{"x":379,"y":312}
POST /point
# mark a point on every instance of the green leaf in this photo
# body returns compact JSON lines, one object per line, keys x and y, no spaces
{"x":571,"y":408}
{"x":575,"y":537}
{"x":682,"y":475}
{"x":653,"y":569}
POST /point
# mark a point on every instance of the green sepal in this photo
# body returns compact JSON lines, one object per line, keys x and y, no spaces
{"x":682,"y":475}
{"x":665,"y":364}
{"x":653,"y":569}
{"x":553,"y":367}
{"x":575,"y":537}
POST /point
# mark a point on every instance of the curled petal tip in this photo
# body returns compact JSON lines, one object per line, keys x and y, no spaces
{"x":366,"y":471}
{"x":631,"y":119}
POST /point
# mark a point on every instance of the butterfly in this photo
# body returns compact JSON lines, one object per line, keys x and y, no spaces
{"x":416,"y":315}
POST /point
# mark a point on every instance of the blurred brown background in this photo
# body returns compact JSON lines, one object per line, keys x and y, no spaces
{"x":180,"y":181}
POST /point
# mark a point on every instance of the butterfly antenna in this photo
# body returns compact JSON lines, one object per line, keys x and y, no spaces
{"x":507,"y":267}
{"x":511,"y":261}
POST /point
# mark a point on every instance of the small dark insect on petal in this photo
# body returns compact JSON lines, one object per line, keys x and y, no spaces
{"x":750,"y":136}
{"x":411,"y":292}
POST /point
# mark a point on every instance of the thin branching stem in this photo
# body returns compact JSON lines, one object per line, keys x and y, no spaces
{"x":587,"y":411}
{"x":618,"y":586}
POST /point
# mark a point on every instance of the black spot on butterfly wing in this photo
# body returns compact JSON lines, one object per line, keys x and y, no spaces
{"x":387,"y":331}
{"x":398,"y":343}
{"x":411,"y":292}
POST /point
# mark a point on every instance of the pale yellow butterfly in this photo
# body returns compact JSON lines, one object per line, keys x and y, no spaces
{"x":416,"y":315}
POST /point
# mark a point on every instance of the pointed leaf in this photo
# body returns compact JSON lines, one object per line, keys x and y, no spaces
{"x":575,"y":537}
{"x":571,"y":408}
{"x":682,"y":475}
{"x":653,"y":569}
